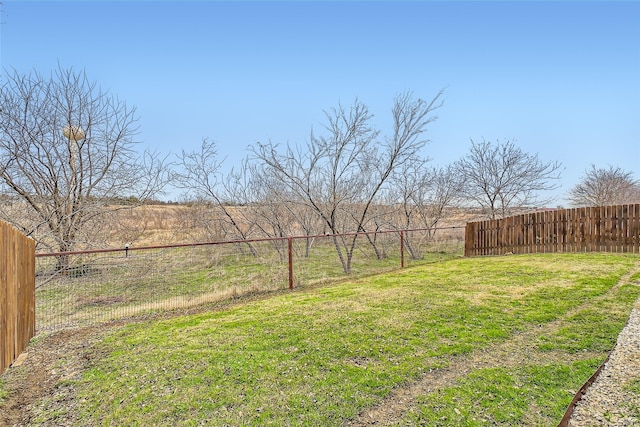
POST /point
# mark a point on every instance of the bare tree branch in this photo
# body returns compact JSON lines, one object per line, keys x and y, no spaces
{"x":68,"y":180}
{"x":600,"y":187}
{"x":340,"y":175}
{"x":501,"y":177}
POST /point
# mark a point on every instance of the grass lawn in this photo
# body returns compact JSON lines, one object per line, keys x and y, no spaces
{"x":115,"y":287}
{"x":517,"y":335}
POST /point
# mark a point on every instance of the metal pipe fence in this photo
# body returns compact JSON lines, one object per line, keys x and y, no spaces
{"x":132,"y":282}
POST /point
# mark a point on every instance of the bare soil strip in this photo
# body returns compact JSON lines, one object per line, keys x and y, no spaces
{"x":56,"y":358}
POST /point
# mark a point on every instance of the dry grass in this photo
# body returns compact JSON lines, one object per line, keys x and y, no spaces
{"x":150,"y":225}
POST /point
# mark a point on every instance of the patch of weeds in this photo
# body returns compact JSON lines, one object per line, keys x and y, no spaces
{"x":530,"y":395}
{"x":3,"y":393}
{"x":633,"y":386}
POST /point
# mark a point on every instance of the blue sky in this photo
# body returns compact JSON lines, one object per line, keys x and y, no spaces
{"x":562,"y":79}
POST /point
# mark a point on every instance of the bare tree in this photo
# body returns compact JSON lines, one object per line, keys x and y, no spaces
{"x":199,"y":220}
{"x":67,"y":150}
{"x":268,"y":207}
{"x":200,"y":174}
{"x":272,"y":208}
{"x":443,"y":192}
{"x":340,"y":175}
{"x":501,"y":178}
{"x":610,"y":186}
{"x":421,"y":195}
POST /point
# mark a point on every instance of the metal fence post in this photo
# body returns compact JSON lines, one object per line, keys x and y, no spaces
{"x":290,"y":244}
{"x":402,"y":248}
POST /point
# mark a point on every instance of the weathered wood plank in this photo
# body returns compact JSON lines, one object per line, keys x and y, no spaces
{"x":17,"y":293}
{"x":585,"y":229}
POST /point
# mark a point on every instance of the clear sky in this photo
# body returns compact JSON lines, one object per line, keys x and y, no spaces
{"x":562,"y":79}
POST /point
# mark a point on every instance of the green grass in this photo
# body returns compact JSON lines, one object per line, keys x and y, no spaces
{"x":634,"y":386}
{"x":322,"y":356}
{"x":168,"y":279}
{"x":507,"y":397}
{"x":3,"y":393}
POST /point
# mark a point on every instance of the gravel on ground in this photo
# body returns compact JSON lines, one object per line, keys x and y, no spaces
{"x":613,"y":400}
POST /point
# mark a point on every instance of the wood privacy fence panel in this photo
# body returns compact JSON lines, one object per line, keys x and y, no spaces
{"x":588,"y":229}
{"x":17,"y":293}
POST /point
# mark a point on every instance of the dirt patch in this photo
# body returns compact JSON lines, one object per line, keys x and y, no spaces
{"x":50,"y":361}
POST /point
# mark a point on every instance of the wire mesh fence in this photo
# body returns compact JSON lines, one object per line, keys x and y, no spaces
{"x":100,"y":286}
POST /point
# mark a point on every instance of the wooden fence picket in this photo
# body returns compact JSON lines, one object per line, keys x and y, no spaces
{"x":585,"y":229}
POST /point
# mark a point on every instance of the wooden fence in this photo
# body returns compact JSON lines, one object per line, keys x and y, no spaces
{"x":17,"y":294}
{"x":589,"y":229}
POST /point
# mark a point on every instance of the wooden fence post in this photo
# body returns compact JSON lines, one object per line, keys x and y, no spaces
{"x":17,"y":293}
